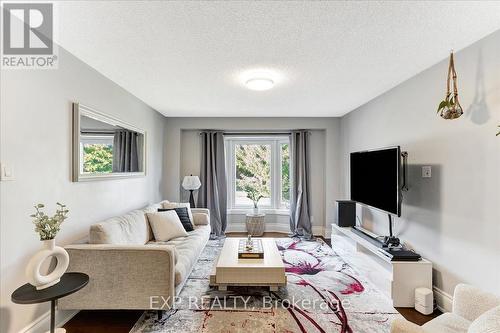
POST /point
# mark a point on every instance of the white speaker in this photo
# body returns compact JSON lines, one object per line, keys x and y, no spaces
{"x":424,"y":301}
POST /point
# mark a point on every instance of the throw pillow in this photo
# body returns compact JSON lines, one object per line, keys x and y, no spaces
{"x":170,"y":205}
{"x":166,"y":225}
{"x":183,"y":214}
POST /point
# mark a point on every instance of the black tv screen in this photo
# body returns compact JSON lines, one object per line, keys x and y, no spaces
{"x":375,"y":179}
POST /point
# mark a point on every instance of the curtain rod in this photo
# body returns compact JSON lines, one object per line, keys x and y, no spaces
{"x":98,"y":132}
{"x":229,"y":133}
{"x":255,"y":133}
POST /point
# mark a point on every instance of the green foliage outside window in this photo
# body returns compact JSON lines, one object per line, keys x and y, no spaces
{"x":97,"y":158}
{"x":253,"y":171}
{"x":285,"y":173}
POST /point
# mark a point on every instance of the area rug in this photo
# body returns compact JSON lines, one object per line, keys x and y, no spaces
{"x":323,"y":294}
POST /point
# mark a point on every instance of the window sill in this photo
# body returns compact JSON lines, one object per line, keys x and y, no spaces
{"x":268,"y":211}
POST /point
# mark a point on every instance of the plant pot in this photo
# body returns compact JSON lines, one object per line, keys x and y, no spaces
{"x":453,"y":112}
{"x":33,"y":274}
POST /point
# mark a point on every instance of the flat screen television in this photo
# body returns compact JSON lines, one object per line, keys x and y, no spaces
{"x":375,"y":180}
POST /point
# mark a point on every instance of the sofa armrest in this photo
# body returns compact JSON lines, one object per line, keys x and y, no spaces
{"x":122,"y":276}
{"x":201,"y":216}
{"x":470,"y":302}
{"x":401,"y":325}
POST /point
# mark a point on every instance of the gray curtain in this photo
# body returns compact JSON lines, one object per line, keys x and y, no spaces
{"x":213,"y":191}
{"x":300,"y":217}
{"x":125,"y":157}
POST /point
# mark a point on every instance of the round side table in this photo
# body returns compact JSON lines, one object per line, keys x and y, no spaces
{"x":255,"y":224}
{"x":69,"y":284}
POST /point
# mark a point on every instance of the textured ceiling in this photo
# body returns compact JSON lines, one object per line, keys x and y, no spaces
{"x":186,"y":58}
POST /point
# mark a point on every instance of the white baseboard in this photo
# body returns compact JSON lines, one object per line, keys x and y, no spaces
{"x":273,"y":227}
{"x":318,"y":230}
{"x":42,"y":323}
{"x":444,"y":301}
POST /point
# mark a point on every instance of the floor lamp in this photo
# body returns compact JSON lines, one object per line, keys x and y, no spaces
{"x":191,"y":183}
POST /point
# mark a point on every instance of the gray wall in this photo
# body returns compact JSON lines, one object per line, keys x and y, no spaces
{"x":183,"y":158}
{"x":36,"y":143}
{"x":453,"y":218}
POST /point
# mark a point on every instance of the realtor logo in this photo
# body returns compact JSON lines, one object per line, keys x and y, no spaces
{"x":28,"y":35}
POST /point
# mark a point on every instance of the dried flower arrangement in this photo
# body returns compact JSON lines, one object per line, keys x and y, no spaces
{"x":48,"y":227}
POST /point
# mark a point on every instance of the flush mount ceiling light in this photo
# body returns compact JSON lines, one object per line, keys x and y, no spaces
{"x":259,"y":79}
{"x":259,"y":83}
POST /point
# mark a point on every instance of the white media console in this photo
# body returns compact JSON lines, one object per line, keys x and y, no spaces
{"x":396,"y":279}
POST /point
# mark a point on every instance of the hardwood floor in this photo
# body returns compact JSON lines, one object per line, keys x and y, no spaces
{"x":416,"y":317}
{"x":116,"y":321}
{"x":123,"y":321}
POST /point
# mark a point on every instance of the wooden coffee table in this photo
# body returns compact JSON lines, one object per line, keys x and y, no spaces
{"x":231,"y":271}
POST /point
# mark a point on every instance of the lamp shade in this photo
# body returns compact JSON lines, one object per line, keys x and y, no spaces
{"x":191,"y":183}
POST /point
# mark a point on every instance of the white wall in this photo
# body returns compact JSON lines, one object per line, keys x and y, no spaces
{"x":183,"y":152}
{"x":36,"y":143}
{"x":453,"y":218}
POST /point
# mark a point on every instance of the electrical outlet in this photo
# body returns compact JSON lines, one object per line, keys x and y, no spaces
{"x":426,"y":171}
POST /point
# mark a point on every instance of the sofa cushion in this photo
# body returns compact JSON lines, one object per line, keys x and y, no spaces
{"x":447,"y":323}
{"x":201,"y":219}
{"x":153,"y":208}
{"x":488,"y":322}
{"x":187,"y":251}
{"x":166,"y":225}
{"x":130,"y":228}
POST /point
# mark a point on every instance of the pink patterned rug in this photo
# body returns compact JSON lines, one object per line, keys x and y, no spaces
{"x":323,"y":294}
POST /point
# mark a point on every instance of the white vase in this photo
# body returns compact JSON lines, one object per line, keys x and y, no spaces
{"x":35,"y":277}
{"x":256,"y":210}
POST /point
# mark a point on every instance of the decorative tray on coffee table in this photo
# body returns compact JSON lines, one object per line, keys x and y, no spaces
{"x":252,"y":249}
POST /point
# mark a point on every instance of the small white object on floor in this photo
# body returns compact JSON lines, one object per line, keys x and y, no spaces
{"x":424,"y":301}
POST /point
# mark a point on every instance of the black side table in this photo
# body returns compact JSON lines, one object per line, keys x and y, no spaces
{"x":69,"y":284}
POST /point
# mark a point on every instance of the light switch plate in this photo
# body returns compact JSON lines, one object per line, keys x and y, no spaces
{"x":6,"y":172}
{"x":426,"y":171}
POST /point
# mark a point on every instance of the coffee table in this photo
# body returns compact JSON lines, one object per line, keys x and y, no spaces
{"x":231,"y":271}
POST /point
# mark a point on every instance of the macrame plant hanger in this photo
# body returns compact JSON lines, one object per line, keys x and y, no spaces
{"x":450,"y":107}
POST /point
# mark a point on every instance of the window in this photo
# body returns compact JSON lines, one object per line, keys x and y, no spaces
{"x":258,"y":171}
{"x":97,"y":154}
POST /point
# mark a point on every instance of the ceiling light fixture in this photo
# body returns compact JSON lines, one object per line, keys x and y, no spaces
{"x":259,"y":83}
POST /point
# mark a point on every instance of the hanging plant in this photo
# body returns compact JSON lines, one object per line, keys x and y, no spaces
{"x":450,"y":107}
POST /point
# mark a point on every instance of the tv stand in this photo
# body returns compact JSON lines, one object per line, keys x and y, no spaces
{"x":395,"y":279}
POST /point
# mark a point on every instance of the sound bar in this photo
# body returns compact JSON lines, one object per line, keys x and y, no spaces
{"x":366,"y":236}
{"x":395,"y":254}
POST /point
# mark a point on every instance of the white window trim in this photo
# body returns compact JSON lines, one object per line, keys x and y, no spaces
{"x":276,"y":191}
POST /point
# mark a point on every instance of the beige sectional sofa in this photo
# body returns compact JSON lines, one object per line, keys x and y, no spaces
{"x":128,"y":269}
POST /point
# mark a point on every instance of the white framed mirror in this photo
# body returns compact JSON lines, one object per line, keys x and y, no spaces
{"x":105,"y":147}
